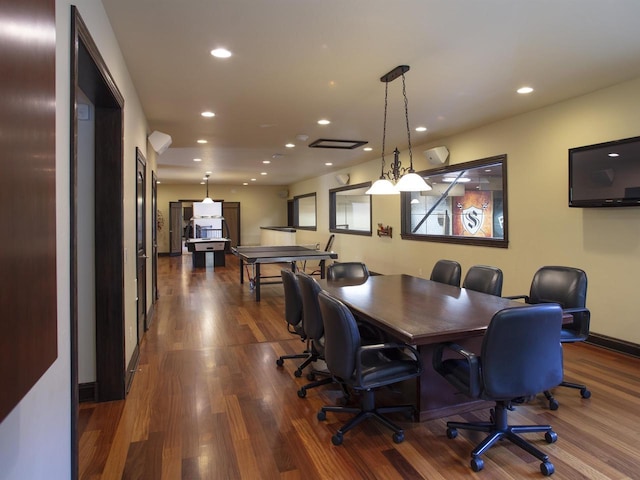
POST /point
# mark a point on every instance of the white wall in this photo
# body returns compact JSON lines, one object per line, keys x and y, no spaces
{"x":35,"y":438}
{"x":543,"y":230}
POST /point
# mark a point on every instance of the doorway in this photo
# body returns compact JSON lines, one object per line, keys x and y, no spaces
{"x":141,"y":244}
{"x":90,"y":75}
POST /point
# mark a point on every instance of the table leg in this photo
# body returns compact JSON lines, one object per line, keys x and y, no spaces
{"x":257,"y":281}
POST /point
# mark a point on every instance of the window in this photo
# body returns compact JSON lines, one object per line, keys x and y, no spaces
{"x":467,"y":205}
{"x":350,"y":209}
{"x":304,"y":211}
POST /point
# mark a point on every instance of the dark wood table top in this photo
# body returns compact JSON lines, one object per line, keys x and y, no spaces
{"x":419,"y":311}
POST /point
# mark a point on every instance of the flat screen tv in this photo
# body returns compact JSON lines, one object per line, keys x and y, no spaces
{"x":605,"y":174}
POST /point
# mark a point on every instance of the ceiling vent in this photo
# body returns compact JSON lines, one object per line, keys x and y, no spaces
{"x":339,"y":144}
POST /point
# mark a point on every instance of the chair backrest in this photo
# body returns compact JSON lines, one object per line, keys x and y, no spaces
{"x":347,"y":271}
{"x":447,"y":271}
{"x":327,"y":248}
{"x":521,"y":352}
{"x":292,"y":298}
{"x":566,"y":286}
{"x":311,"y":316}
{"x":483,"y":278}
{"x":342,"y":338}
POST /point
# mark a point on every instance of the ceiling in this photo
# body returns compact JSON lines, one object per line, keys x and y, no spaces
{"x":297,"y":61}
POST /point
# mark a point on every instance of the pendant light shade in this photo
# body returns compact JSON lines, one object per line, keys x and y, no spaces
{"x":382,"y":186}
{"x":412,"y":182}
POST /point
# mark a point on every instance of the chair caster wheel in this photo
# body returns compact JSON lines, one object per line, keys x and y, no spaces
{"x":279,"y":362}
{"x":322,"y":415}
{"x":398,"y":437}
{"x":337,"y":439}
{"x":553,"y":404}
{"x":477,"y":464}
{"x":547,"y":468}
{"x":551,"y":436}
{"x":297,"y":373}
{"x":311,"y":377}
{"x":302,"y":392}
{"x":452,"y":433}
{"x":585,"y":393}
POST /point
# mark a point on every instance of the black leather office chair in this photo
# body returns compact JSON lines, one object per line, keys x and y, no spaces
{"x":321,"y":265}
{"x":521,"y":355}
{"x":566,"y":286}
{"x":447,"y":271}
{"x":293,"y":316}
{"x":485,"y":279}
{"x":347,"y":271}
{"x":313,"y":327}
{"x":362,"y":367}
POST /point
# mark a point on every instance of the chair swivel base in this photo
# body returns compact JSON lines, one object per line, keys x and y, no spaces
{"x":365,"y":411}
{"x":498,"y":429}
{"x":553,"y":403}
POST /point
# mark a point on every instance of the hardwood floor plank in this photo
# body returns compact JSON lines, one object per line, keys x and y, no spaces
{"x":209,"y":402}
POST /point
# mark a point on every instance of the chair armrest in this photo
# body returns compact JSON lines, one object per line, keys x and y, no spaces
{"x":470,"y":357}
{"x":379,"y":347}
{"x":581,"y":320}
{"x":519,"y":297}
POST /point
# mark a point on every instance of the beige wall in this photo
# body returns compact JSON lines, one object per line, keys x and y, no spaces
{"x":260,"y":206}
{"x":543,"y":230}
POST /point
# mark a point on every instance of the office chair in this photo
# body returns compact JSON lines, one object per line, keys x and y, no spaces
{"x":313,"y":327}
{"x":321,"y":264}
{"x":566,"y":286}
{"x":363,"y":368}
{"x":521,"y":355}
{"x":347,"y":271}
{"x":293,"y":316}
{"x":447,"y":271}
{"x":485,"y":279}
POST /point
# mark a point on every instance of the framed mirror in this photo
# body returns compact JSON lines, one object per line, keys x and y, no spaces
{"x":350,"y":209}
{"x":304,"y":211}
{"x":467,"y":204}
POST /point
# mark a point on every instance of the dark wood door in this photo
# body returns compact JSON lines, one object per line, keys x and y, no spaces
{"x":175,"y":228}
{"x":141,"y":244}
{"x":231,"y":214}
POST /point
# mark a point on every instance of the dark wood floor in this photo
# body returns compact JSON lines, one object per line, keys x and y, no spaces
{"x":209,"y":402}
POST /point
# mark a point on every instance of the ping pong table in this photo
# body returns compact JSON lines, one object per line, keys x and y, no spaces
{"x":257,"y":255}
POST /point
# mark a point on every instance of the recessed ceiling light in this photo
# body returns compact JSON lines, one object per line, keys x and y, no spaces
{"x":245,"y":183}
{"x":208,"y":172}
{"x":253,"y":179}
{"x":289,"y":145}
{"x":201,"y":183}
{"x":323,"y":121}
{"x":367,"y":149}
{"x":328,"y":164}
{"x":614,"y":155}
{"x":201,"y":141}
{"x":266,"y":161}
{"x":208,"y":114}
{"x":524,"y":90}
{"x":158,"y":181}
{"x":263,"y":173}
{"x":421,"y":129}
{"x":221,"y":53}
{"x":197,"y":159}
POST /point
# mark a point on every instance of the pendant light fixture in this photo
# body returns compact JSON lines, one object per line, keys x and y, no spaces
{"x":405,"y":179}
{"x":207,"y":199}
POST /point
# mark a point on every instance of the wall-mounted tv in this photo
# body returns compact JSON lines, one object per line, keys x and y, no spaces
{"x":605,"y":174}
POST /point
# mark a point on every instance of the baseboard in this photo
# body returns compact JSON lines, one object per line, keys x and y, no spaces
{"x":150,"y":313}
{"x":615,"y":344}
{"x":87,"y":392}
{"x":164,"y":254}
{"x":132,"y":368}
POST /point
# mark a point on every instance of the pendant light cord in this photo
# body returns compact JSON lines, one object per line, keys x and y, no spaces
{"x":406,"y":116}
{"x":384,"y":125}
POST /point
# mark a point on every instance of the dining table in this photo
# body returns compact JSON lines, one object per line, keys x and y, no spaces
{"x":423,"y":313}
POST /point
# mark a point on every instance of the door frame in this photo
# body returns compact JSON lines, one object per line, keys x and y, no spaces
{"x":90,"y":74}
{"x":141,"y":245}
